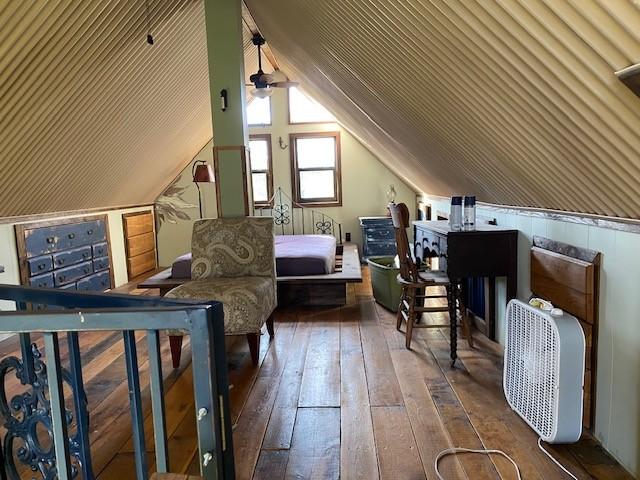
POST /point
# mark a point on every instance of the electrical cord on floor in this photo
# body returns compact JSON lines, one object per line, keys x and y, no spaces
{"x":450,"y":451}
{"x":554,"y":460}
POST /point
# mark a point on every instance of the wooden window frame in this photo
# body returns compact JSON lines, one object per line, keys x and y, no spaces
{"x":295,"y":171}
{"x":303,"y":123}
{"x":258,"y":125}
{"x":269,"y":171}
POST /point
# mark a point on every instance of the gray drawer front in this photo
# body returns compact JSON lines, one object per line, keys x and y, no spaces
{"x":71,"y":257}
{"x":378,"y":222}
{"x":71,"y":274}
{"x":380,"y":233}
{"x":39,"y":265}
{"x":98,"y":282}
{"x":42,"y":281}
{"x":40,"y":241}
{"x":100,"y":264}
{"x":100,"y":250}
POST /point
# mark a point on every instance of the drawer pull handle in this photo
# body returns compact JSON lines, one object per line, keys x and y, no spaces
{"x":90,"y":231}
{"x":62,"y":278}
{"x":51,"y":239}
{"x":434,"y":244}
{"x":41,"y":266}
{"x":60,"y":261}
{"x":72,"y":236}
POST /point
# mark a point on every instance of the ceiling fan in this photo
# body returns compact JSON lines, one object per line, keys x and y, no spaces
{"x":265,"y":82}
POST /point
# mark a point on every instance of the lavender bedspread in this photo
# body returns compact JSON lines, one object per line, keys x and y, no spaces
{"x":296,"y":255}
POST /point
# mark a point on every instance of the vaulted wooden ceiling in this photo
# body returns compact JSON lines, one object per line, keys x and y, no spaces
{"x":514,"y":100}
{"x":90,"y":114}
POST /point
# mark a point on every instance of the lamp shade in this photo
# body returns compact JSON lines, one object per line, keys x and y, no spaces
{"x":203,"y":174}
{"x":262,"y":92}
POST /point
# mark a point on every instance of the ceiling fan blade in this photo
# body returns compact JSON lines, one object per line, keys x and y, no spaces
{"x":287,"y":84}
{"x":267,"y":78}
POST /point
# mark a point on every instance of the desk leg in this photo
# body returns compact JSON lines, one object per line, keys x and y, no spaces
{"x":490,"y":306}
{"x":512,"y":270}
{"x":453,"y":292}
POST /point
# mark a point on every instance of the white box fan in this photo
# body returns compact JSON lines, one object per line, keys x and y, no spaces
{"x":544,"y":370}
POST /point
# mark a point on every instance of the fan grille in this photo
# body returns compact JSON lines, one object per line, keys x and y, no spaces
{"x":531,"y":367}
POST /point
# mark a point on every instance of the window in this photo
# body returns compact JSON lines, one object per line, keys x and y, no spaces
{"x":315,"y":168}
{"x":259,"y":111}
{"x":303,"y":109}
{"x":261,"y":174}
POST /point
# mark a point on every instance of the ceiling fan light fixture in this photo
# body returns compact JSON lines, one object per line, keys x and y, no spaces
{"x":262,"y":92}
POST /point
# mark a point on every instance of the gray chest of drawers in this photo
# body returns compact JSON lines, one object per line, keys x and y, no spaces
{"x":378,"y":237}
{"x":70,"y":254}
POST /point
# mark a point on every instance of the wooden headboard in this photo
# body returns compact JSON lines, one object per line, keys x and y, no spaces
{"x":568,"y":277}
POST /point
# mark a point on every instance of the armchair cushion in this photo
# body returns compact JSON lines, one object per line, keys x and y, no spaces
{"x":233,"y":247}
{"x":247,"y":301}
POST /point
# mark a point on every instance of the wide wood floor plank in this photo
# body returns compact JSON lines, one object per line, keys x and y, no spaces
{"x":321,"y":378}
{"x":357,"y":453}
{"x":272,"y":465}
{"x":382,"y":383}
{"x":280,"y":426}
{"x":397,"y":451}
{"x":358,"y":459}
{"x":430,"y":433}
{"x":252,"y":425}
{"x":315,"y":449}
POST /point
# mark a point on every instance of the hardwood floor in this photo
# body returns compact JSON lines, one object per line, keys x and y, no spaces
{"x":336,"y":394}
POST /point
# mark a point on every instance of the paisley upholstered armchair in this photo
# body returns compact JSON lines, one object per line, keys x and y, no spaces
{"x":234,"y":262}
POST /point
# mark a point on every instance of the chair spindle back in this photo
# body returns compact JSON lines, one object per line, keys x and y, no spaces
{"x":400,"y":218}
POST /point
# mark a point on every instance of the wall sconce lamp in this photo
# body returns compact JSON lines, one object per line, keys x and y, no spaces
{"x":202,"y":173}
{"x":283,"y":145}
{"x":223,"y":100}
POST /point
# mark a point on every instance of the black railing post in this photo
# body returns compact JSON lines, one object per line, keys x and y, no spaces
{"x":80,"y":404}
{"x":135,"y":402}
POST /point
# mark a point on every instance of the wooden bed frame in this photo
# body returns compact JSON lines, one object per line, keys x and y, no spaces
{"x":312,"y":290}
{"x":292,"y":218}
{"x":568,"y":277}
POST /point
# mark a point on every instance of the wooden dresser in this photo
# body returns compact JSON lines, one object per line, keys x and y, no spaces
{"x":71,"y":253}
{"x":378,"y":237}
{"x":140,"y":242}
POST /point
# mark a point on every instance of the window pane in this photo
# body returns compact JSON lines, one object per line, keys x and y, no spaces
{"x":316,"y":152}
{"x":259,"y":151}
{"x":260,"y":191}
{"x":317,"y":184}
{"x":303,"y":109}
{"x":259,"y":111}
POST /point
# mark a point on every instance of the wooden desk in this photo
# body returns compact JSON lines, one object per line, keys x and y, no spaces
{"x":489,"y":251}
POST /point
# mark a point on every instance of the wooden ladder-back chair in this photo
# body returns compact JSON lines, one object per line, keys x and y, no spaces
{"x":415,"y":282}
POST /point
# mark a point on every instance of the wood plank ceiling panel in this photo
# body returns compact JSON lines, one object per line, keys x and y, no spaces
{"x":90,"y":114}
{"x":514,"y":100}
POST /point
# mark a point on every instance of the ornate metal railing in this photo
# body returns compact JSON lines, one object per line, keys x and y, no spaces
{"x":42,"y":404}
{"x":293,"y":218}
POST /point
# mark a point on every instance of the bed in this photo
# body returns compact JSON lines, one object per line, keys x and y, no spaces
{"x":312,"y":264}
{"x":296,"y":255}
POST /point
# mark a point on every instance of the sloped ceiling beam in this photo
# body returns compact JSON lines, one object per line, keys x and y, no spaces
{"x":513,"y":100}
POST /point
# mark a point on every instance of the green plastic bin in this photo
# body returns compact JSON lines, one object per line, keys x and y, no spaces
{"x":386,"y":289}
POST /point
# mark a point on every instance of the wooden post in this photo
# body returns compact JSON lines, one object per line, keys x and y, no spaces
{"x":223,"y":19}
